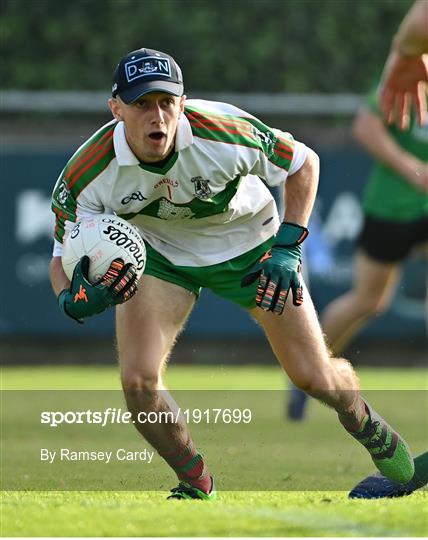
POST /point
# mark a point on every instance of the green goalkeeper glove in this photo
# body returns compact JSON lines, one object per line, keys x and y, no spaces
{"x":84,"y":299}
{"x":278,"y":270}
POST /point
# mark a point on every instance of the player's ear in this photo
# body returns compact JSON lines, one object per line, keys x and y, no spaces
{"x":114,"y":106}
{"x":182,"y":100}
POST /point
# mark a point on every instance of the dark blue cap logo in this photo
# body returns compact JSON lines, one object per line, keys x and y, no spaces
{"x":149,"y":65}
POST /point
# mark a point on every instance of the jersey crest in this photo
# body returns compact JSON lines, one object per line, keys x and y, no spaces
{"x":202,"y":189}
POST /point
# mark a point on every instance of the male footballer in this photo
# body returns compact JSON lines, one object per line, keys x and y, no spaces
{"x":208,"y":220}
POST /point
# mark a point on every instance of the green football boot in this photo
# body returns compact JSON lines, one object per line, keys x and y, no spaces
{"x":189,"y":492}
{"x":388,"y":450}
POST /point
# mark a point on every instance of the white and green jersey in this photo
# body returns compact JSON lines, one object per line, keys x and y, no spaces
{"x":206,"y":205}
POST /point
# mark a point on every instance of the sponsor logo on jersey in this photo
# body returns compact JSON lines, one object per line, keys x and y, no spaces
{"x":202,"y":189}
{"x":137,"y":196}
{"x":166,"y":181}
{"x":142,"y":67}
{"x":169,"y":184}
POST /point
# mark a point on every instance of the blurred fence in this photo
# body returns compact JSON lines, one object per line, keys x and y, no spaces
{"x":29,"y":170}
{"x":13,"y":101}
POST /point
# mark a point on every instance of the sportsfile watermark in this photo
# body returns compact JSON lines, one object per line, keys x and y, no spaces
{"x":89,"y":440}
{"x":119,"y":416}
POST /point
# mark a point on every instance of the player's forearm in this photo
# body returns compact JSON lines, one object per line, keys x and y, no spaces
{"x":300,"y":191}
{"x":411,"y":38}
{"x":59,"y":280}
{"x":370,"y":132}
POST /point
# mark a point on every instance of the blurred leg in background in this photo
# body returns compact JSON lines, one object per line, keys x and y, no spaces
{"x":371,"y":294}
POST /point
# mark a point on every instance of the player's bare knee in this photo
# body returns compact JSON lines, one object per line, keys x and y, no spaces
{"x":316,"y":383}
{"x":343,"y":367}
{"x":320,"y":385}
{"x":140,"y":381}
{"x":346,"y":378}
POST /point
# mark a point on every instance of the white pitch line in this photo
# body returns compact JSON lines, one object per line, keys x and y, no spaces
{"x":315,"y":520}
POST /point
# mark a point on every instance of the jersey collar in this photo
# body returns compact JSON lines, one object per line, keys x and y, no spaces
{"x":184,"y":136}
{"x":124,"y":154}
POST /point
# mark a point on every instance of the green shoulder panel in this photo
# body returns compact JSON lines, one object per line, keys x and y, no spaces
{"x":90,"y":160}
{"x":222,"y":128}
{"x":85,"y":165}
{"x":243,"y":131}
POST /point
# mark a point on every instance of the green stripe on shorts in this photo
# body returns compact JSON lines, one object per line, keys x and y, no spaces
{"x":224,"y":279}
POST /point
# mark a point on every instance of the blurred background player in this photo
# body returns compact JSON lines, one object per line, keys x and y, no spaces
{"x":396,"y":220}
{"x":403,"y":86}
{"x":395,"y":205}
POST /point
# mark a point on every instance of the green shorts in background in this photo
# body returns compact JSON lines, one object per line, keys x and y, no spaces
{"x":224,"y":279}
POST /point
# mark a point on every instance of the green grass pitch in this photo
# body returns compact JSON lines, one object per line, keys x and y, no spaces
{"x":235,"y":513}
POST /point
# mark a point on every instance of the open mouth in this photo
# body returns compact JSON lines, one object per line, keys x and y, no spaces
{"x":157,"y":135}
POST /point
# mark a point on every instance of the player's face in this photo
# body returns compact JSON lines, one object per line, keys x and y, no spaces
{"x":150,"y":123}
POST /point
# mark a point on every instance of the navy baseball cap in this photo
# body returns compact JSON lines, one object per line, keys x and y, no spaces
{"x":146,"y":70}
